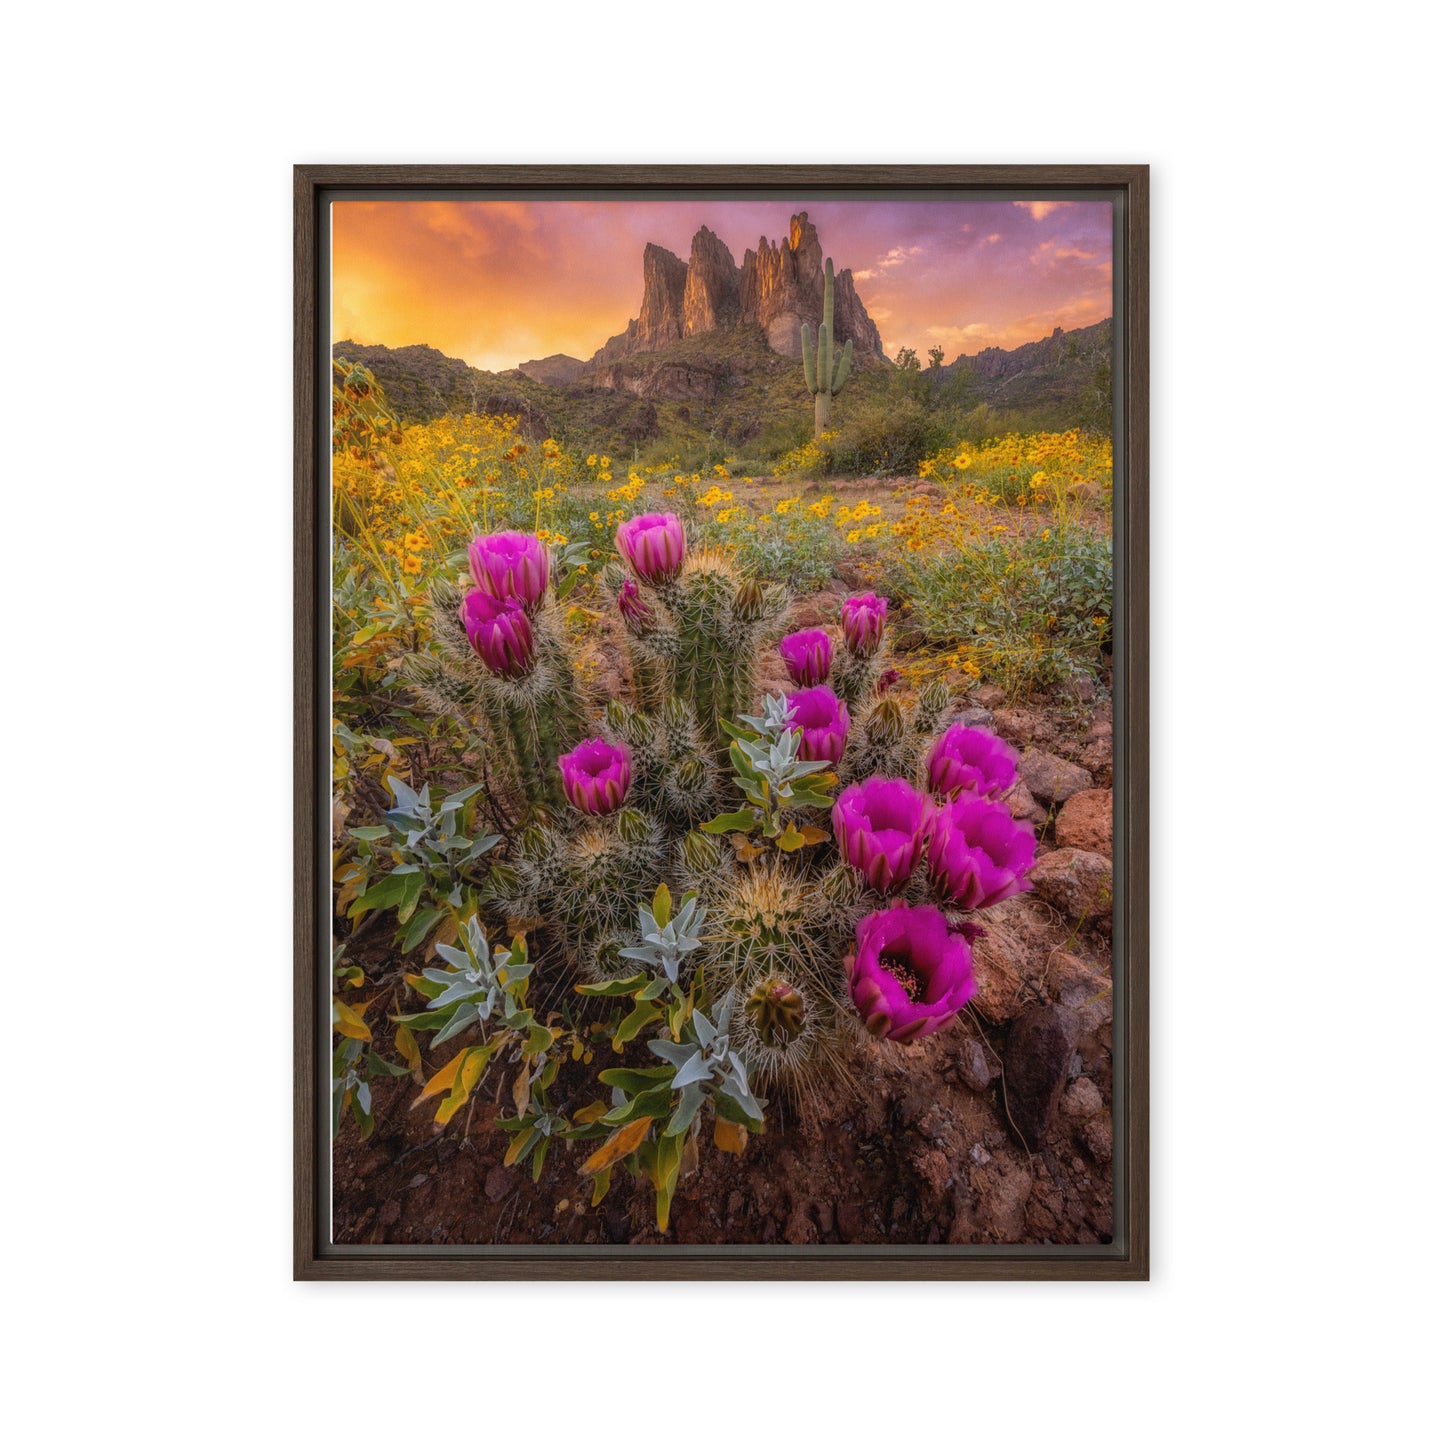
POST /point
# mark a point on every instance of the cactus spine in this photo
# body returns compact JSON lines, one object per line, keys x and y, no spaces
{"x":824,"y":371}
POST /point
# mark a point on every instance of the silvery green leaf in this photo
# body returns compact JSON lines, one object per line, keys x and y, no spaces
{"x":363,"y":1094}
{"x":405,"y":797}
{"x":461,"y":988}
{"x":695,"y":1069}
{"x":455,"y":800}
{"x":464,"y":1016}
{"x":618,"y":1098}
{"x":706,"y":1030}
{"x":445,"y":976}
{"x":675,"y":1054}
{"x":743,"y":1096}
{"x":687,"y":1107}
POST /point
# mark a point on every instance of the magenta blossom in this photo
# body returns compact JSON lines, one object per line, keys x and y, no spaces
{"x":863,"y":619}
{"x":511,"y":564}
{"x":635,"y":612}
{"x":596,"y":775}
{"x":971,"y":762}
{"x":882,"y":828}
{"x":654,"y":545}
{"x":823,"y":718}
{"x":499,"y":631}
{"x":808,"y":655}
{"x":889,"y":677}
{"x":910,"y":975}
{"x":978,"y":854}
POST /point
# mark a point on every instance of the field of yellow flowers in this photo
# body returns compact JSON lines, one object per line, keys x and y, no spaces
{"x":997,"y":556}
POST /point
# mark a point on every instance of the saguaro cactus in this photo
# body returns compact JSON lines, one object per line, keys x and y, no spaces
{"x":824,"y":371}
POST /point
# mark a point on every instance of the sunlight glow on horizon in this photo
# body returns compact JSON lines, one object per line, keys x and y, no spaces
{"x":500,"y":282}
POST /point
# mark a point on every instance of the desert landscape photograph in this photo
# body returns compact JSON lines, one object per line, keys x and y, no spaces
{"x":722,"y":740}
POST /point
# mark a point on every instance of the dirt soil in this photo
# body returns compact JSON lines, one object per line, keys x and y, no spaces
{"x":998,"y":1129}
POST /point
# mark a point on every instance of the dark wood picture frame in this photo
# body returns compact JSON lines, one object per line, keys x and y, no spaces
{"x":1127,"y":1256}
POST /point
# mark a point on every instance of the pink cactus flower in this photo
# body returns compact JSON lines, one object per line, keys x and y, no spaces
{"x":882,"y":828}
{"x":971,"y":763}
{"x":823,"y":718}
{"x":654,"y":545}
{"x":500,"y":633}
{"x":808,"y":655}
{"x":596,"y":775}
{"x":910,"y":975}
{"x":863,"y":619}
{"x":511,"y":564}
{"x":978,"y":854}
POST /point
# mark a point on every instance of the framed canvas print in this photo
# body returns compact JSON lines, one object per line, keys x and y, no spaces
{"x":721,"y":752}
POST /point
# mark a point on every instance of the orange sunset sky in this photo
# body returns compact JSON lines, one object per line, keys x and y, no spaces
{"x":501,"y":282}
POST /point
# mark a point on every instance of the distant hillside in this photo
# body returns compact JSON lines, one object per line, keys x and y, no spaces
{"x":724,"y":384}
{"x":1070,"y":372}
{"x":421,"y":383}
{"x":728,"y":391}
{"x":556,"y":370}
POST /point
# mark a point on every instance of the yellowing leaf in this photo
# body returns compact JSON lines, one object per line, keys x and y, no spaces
{"x":746,"y":851}
{"x":446,"y":933}
{"x":813,"y":835}
{"x":662,"y":905}
{"x":730,"y":1138}
{"x":790,"y":840}
{"x":522,"y":1088}
{"x":348,"y":1021}
{"x":444,"y":1077}
{"x":600,"y":1185}
{"x":619,"y":1146}
{"x":590,"y":1112}
{"x":408,"y":1048}
{"x":519,"y":1142}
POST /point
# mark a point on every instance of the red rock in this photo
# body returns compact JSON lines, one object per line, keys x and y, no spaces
{"x":1079,"y":884}
{"x":1087,"y":821}
{"x":1051,"y":779}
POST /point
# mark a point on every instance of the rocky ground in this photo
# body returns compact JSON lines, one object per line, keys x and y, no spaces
{"x":995,"y":1130}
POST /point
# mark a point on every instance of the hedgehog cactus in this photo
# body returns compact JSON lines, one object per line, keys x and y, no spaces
{"x":783,"y":822}
{"x":824,"y":369}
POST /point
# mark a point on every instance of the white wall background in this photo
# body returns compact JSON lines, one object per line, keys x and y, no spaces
{"x":1297,"y":951}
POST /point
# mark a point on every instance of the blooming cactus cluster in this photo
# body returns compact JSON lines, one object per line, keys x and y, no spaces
{"x":827,"y":839}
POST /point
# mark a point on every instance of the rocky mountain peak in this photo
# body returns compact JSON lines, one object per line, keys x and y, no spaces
{"x":778,"y":287}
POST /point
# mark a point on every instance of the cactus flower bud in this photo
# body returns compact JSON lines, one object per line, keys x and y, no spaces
{"x":596,"y":775}
{"x":882,"y":826}
{"x":750,"y":601}
{"x":888,"y":678}
{"x":823,"y":720}
{"x":970,"y":762}
{"x":499,"y":632}
{"x":863,"y":619}
{"x":701,"y":852}
{"x":808,"y":655}
{"x":691,"y":775}
{"x":511,"y":564}
{"x":885,"y":722}
{"x":777,"y":1011}
{"x":978,"y":854}
{"x":654,"y":545}
{"x":632,"y":826}
{"x":910,"y":975}
{"x":635,"y":612}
